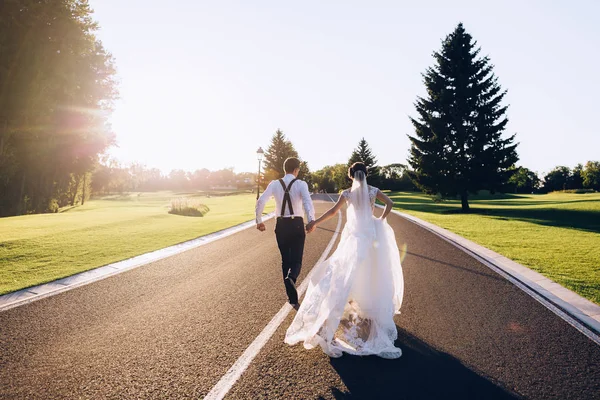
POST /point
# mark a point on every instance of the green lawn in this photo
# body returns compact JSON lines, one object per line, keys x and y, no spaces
{"x":557,"y":235}
{"x":35,"y":249}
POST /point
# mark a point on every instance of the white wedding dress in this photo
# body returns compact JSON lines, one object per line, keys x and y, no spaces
{"x":352,"y":296}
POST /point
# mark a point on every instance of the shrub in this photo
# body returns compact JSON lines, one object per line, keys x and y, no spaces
{"x":438,"y":198}
{"x":52,"y":206}
{"x":188,"y":207}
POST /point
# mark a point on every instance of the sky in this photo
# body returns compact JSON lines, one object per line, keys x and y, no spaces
{"x":203,"y":84}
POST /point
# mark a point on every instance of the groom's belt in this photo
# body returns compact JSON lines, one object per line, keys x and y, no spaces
{"x":289,"y":217}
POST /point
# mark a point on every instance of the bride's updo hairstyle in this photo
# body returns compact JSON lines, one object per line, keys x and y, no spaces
{"x":357,"y":166}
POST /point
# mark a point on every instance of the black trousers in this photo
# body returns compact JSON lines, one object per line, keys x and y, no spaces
{"x":290,"y":236}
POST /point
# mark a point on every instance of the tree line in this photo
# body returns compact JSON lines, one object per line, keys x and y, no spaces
{"x":400,"y":177}
{"x":110,"y":177}
{"x":333,"y":178}
{"x":56,"y":86}
{"x":581,"y":177}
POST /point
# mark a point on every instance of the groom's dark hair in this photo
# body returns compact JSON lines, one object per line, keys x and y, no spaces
{"x":290,"y":164}
{"x":357,"y":166}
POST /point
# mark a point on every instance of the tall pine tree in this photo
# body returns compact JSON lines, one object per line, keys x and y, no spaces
{"x":364,"y":154}
{"x":458,"y":147}
{"x":277,"y":152}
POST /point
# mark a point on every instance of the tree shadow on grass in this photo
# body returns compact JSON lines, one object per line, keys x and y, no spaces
{"x":421,"y":373}
{"x":585,"y":220}
{"x":526,"y":203}
{"x":574,"y":219}
{"x":67,"y":209}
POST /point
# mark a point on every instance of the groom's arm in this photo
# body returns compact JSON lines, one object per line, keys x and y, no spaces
{"x":260,"y":205}
{"x":307,"y":203}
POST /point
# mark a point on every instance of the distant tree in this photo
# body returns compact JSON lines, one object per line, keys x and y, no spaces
{"x":323,"y":180}
{"x":576,"y":178}
{"x":591,"y":175}
{"x":331,"y":178}
{"x":100,"y":179}
{"x":246,"y":180}
{"x":153,"y":180}
{"x":199,"y":179}
{"x":340,"y":176}
{"x":458,"y":146}
{"x":396,"y":177}
{"x":223,"y":177}
{"x":392,"y":171}
{"x":110,"y":176}
{"x":363,"y":153}
{"x":278,"y":151}
{"x":523,"y":180}
{"x":305,"y":174}
{"x":137,"y":173}
{"x":178,"y":179}
{"x":557,"y":179}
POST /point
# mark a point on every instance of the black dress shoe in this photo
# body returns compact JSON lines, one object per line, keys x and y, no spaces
{"x":290,"y":288}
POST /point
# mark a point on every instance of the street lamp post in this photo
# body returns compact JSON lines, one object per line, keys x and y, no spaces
{"x":259,"y":155}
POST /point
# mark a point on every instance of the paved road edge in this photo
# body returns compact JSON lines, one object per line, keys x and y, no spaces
{"x":30,"y":294}
{"x":576,"y":310}
{"x":224,"y":385}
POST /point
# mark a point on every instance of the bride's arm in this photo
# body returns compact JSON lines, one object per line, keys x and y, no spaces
{"x":389,"y":204}
{"x":330,"y":213}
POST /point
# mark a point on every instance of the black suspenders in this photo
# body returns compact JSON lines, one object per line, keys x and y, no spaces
{"x":286,"y":197}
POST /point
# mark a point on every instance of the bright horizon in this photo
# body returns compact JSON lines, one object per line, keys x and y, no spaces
{"x":204,"y":85}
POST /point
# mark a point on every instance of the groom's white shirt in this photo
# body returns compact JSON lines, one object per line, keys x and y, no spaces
{"x":298,"y":193}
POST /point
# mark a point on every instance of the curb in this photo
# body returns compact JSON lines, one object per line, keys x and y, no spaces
{"x":579,"y":312}
{"x":28,"y":295}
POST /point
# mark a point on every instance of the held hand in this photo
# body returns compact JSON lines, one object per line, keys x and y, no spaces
{"x":261,"y":227}
{"x":311,"y":226}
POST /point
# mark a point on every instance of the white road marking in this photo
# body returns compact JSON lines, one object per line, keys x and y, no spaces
{"x":237,"y":369}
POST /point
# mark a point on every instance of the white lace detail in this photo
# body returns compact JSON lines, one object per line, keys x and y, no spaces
{"x":372,"y":194}
{"x":352,"y":296}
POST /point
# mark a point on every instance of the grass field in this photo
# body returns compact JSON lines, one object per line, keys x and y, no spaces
{"x":557,"y":235}
{"x":35,"y":249}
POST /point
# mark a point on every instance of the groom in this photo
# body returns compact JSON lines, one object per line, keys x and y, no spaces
{"x":291,"y":195}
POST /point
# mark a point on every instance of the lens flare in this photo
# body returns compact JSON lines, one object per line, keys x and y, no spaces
{"x":85,"y":110}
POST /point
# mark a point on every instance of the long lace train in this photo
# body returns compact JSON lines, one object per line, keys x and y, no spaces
{"x":352,"y":296}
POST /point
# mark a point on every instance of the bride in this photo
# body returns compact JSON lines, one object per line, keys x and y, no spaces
{"x":353,"y":295}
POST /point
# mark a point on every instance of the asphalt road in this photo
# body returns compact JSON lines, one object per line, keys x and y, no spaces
{"x":172,"y":328}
